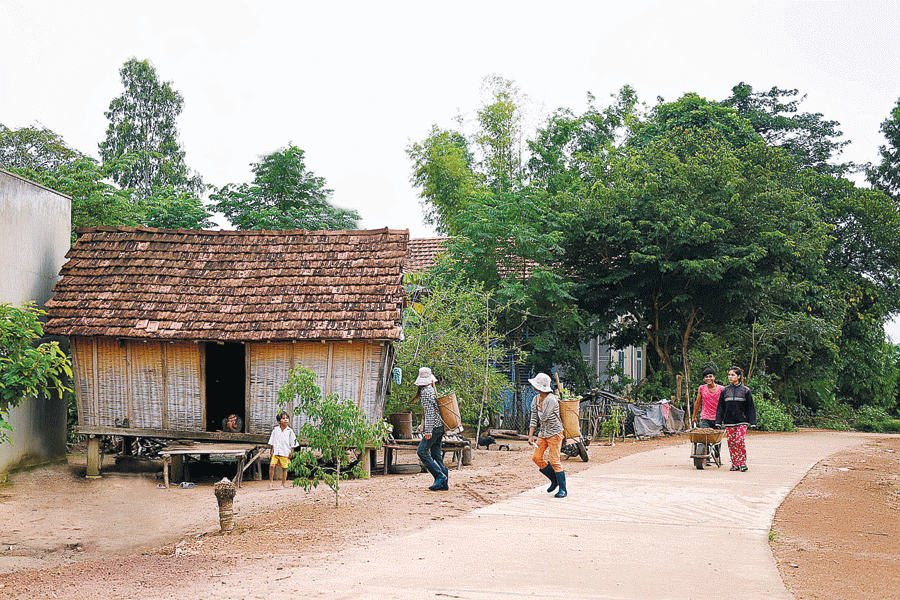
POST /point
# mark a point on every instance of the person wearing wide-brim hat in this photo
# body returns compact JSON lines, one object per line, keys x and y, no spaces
{"x":545,"y":411}
{"x":429,"y":449}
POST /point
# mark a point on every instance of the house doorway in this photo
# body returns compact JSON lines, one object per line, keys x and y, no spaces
{"x":225,"y":384}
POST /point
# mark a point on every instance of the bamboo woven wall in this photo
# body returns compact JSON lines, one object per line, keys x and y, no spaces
{"x":348,"y":370}
{"x":112,"y":381}
{"x":158,"y":385}
{"x":155,"y":385}
{"x":148,"y":385}
{"x":83,"y":373}
{"x":184,"y":397}
{"x":270,"y":365}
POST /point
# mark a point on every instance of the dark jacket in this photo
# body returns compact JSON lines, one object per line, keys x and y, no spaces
{"x":736,"y":406}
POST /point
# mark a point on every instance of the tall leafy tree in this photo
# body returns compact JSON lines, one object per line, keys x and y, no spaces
{"x":691,"y":225}
{"x":500,"y":135}
{"x":811,"y":139}
{"x":284,"y":194}
{"x":886,"y":175}
{"x":563,"y":150}
{"x":34,"y":148}
{"x":443,"y":167}
{"x":505,"y":233}
{"x":142,"y":123}
{"x":169,"y":208}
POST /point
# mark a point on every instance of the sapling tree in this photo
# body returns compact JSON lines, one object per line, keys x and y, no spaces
{"x":26,"y":370}
{"x":333,"y":427}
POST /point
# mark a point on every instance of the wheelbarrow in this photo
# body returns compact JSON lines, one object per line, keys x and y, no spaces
{"x":705,"y":445}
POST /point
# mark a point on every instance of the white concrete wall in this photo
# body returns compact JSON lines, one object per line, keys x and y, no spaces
{"x":35,"y":226}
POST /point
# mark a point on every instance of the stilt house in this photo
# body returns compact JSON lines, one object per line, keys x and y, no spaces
{"x":171,"y":331}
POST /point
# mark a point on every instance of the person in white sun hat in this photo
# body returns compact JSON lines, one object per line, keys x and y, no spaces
{"x":545,"y":412}
{"x":429,"y":449}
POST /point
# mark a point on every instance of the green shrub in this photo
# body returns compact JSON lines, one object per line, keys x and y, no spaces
{"x":871,"y":418}
{"x":835,"y":425}
{"x":772,"y":416}
{"x":892,"y":426}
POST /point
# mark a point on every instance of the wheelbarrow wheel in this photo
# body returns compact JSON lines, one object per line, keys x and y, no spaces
{"x":699,"y":463}
{"x":582,"y":451}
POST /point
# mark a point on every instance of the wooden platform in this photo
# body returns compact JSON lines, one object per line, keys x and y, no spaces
{"x":246,"y":454}
{"x":457,"y":447}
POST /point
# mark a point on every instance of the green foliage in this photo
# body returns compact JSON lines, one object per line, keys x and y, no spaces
{"x":450,"y":327}
{"x":34,"y":148}
{"x":283,"y":195}
{"x":614,"y":426}
{"x":771,"y":416}
{"x":443,"y":169}
{"x":873,"y":418}
{"x":870,"y":366}
{"x":564,"y":149}
{"x":811,"y":140}
{"x":142,"y":125}
{"x":169,"y":208}
{"x":333,"y":426}
{"x":500,"y":134}
{"x":510,"y":243}
{"x":26,"y":370}
{"x":686,"y":223}
{"x":886,"y":175}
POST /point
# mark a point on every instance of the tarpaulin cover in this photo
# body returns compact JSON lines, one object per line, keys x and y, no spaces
{"x":649,"y":419}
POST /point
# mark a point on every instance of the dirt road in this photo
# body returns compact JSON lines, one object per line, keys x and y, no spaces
{"x":121,"y":537}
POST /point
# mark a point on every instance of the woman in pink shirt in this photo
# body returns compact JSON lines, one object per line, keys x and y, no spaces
{"x":708,"y":397}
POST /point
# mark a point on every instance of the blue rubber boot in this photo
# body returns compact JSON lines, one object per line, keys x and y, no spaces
{"x":562,"y":493}
{"x":550,"y":474}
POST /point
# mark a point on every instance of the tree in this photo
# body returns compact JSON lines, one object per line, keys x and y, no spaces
{"x":886,"y":175}
{"x":170,"y":209}
{"x":450,"y":326}
{"x":26,"y":370}
{"x":694,"y":213}
{"x":443,"y":167}
{"x":283,"y":195}
{"x":810,"y":139}
{"x":35,"y":149}
{"x":94,"y":201}
{"x":564,"y":149}
{"x":500,"y":134}
{"x":142,"y":124}
{"x":510,"y":243}
{"x":451,"y":167}
{"x":333,"y":427}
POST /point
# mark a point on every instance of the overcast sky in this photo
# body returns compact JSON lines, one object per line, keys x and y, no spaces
{"x":352,"y":83}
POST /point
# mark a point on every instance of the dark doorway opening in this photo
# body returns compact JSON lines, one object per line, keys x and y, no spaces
{"x":225,"y":380}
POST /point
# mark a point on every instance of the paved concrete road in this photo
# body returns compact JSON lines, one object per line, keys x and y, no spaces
{"x":649,"y":526}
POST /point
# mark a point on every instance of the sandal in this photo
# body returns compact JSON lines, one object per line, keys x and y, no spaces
{"x":734,"y":468}
{"x":744,"y":469}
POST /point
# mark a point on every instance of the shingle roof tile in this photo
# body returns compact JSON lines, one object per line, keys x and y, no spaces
{"x":231,"y":285}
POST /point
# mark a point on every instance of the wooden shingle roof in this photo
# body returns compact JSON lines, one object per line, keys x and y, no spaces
{"x":231,"y":285}
{"x":422,"y":252}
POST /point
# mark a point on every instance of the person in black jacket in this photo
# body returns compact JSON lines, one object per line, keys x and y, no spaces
{"x":736,"y":412}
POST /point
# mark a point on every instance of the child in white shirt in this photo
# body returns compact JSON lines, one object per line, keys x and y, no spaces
{"x":283,"y":441}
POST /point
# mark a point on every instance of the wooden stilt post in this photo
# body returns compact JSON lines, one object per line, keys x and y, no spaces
{"x":93,"y":457}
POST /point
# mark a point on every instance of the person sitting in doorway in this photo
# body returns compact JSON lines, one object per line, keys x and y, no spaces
{"x":232,"y":424}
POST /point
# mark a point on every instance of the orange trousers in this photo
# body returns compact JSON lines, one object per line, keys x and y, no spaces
{"x":552,"y":444}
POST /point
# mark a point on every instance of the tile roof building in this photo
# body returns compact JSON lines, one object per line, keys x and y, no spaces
{"x":173,"y":330}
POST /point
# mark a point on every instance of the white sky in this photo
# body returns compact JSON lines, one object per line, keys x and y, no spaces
{"x":352,"y":83}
